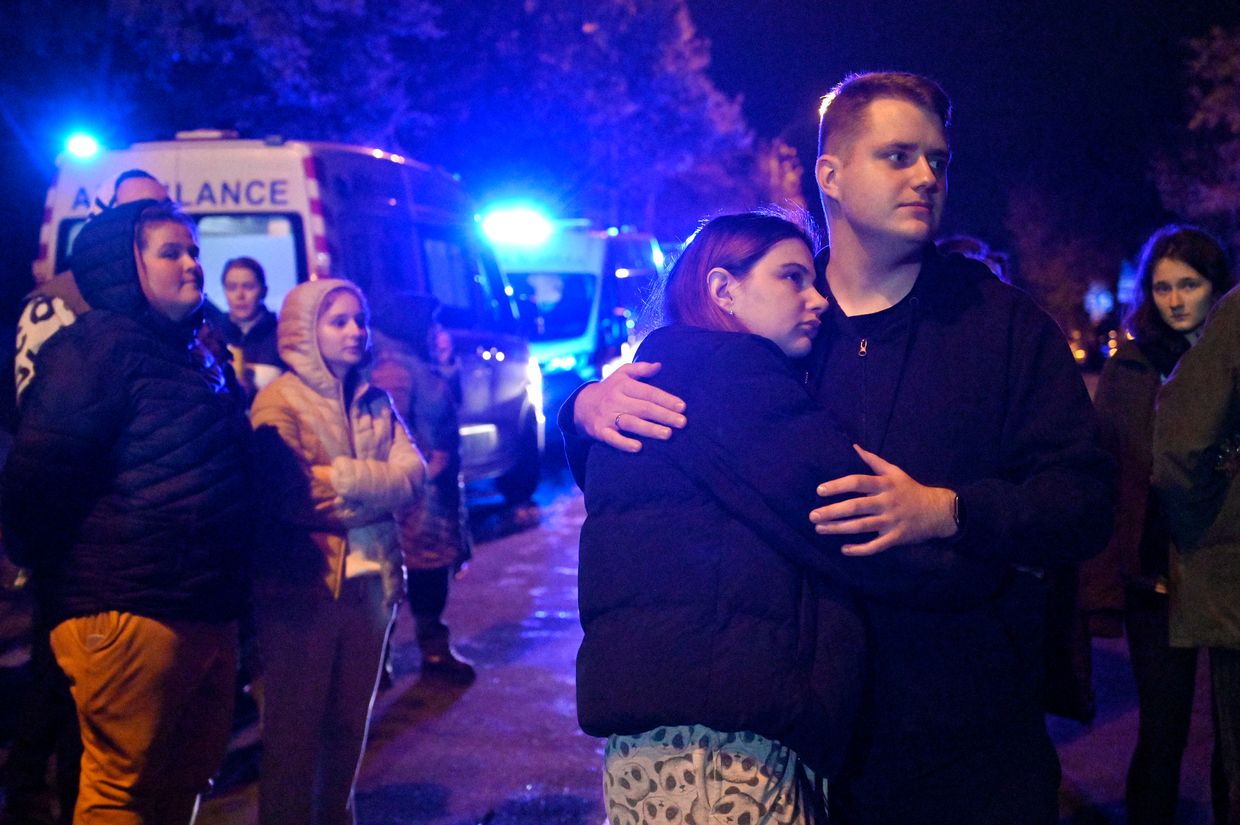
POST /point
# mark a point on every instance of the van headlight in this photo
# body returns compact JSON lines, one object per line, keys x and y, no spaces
{"x":562,"y":363}
{"x":534,"y":388}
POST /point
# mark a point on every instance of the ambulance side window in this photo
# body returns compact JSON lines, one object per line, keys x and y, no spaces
{"x":470,"y":292}
{"x":376,"y":252}
{"x":612,"y":331}
{"x":69,"y":230}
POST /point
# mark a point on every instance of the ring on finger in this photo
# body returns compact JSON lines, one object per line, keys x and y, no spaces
{"x":617,"y":420}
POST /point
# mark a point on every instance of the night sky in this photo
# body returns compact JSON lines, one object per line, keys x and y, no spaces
{"x":1073,"y":95}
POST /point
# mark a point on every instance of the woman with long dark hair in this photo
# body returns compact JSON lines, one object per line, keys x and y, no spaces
{"x":1182,"y":272}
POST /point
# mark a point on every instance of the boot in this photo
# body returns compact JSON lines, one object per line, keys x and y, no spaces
{"x":439,"y":661}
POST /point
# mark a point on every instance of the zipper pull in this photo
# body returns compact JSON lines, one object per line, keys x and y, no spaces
{"x":864,"y":346}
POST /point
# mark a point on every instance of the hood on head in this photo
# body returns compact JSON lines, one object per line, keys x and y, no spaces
{"x":297,"y":337}
{"x":103,"y":260}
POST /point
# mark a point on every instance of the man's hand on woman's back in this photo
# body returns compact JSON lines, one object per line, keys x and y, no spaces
{"x":624,"y":401}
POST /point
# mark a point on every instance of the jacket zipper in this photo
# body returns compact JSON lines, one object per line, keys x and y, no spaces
{"x":862,"y":348}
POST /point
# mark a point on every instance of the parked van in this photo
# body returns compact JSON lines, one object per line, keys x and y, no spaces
{"x":579,"y":293}
{"x":313,"y":210}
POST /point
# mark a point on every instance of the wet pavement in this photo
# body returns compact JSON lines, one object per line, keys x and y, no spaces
{"x":1095,"y":757}
{"x":506,"y":750}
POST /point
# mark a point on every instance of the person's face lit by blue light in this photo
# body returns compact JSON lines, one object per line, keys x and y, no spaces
{"x":890,"y":181}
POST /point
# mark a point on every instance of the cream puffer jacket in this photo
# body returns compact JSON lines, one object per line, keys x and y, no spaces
{"x":335,"y":476}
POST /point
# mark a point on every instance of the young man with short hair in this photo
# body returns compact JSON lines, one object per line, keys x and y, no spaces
{"x":970,"y":395}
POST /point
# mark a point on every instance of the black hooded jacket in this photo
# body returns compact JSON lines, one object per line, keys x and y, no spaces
{"x":706,"y":596}
{"x":127,"y":485}
{"x":691,"y":615}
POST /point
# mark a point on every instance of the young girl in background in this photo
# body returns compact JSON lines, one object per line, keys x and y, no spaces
{"x":337,"y":467}
{"x":1183,"y":271}
{"x":249,"y":328}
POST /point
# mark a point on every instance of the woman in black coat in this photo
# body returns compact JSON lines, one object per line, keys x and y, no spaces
{"x":127,"y":493}
{"x":724,"y":650}
{"x":1183,"y":271}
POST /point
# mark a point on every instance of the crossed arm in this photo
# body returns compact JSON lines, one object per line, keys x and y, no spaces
{"x":347,"y":493}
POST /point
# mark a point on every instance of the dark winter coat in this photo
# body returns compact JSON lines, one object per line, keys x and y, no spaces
{"x":1125,"y":402}
{"x":967,"y":384}
{"x":126,"y":488}
{"x":1196,"y":456}
{"x":706,"y":597}
{"x":435,"y":534}
{"x":258,"y":344}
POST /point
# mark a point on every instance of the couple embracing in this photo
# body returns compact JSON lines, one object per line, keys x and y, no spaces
{"x":820,"y":566}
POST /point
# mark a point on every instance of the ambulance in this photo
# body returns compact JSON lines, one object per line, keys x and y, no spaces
{"x":579,"y":294}
{"x":315,"y":210}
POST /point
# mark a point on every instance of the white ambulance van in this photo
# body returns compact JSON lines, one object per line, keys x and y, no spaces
{"x":314,"y":210}
{"x":579,"y":294}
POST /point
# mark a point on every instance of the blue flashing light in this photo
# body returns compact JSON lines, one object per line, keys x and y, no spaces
{"x":82,"y":145}
{"x":657,"y":254}
{"x":517,"y":226}
{"x":1098,"y":301}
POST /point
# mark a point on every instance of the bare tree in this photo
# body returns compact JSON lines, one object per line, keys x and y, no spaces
{"x":1200,"y":177}
{"x":606,"y":107}
{"x":1057,"y":256}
